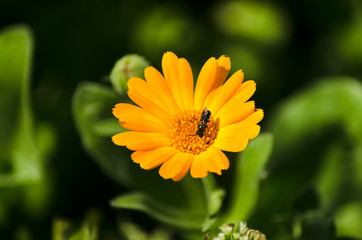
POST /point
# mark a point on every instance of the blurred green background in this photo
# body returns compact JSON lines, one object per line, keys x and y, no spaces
{"x":305,"y":56}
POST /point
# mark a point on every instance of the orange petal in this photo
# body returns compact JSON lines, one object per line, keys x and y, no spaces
{"x":153,"y":158}
{"x":141,"y":140}
{"x":170,"y":71}
{"x":223,"y":158}
{"x":210,"y":98}
{"x":253,"y":118}
{"x":141,"y":94}
{"x":177,"y":167}
{"x":205,"y":82}
{"x":136,"y":118}
{"x":160,"y":88}
{"x":234,"y":111}
{"x":186,"y":83}
{"x":231,"y":143}
{"x":198,"y":167}
{"x":235,"y":137}
{"x":245,"y":91}
{"x":223,"y":69}
{"x":211,"y":76}
{"x":212,"y":160}
{"x":225,"y":92}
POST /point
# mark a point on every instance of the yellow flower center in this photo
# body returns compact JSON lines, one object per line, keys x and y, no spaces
{"x":182,"y":132}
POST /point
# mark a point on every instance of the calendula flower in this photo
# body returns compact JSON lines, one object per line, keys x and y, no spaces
{"x":184,"y":129}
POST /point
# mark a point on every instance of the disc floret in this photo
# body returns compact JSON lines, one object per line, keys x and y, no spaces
{"x":182,"y":132}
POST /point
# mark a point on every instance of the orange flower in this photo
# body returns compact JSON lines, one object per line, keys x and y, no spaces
{"x":170,"y":112}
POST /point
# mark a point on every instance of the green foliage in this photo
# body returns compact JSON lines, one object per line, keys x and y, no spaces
{"x":350,"y":38}
{"x":310,"y":188}
{"x":169,"y":214}
{"x":245,"y":58}
{"x":214,"y":199}
{"x":256,"y":21}
{"x":132,"y":232}
{"x":22,"y":149}
{"x":318,"y":177}
{"x":185,"y":217}
{"x":334,"y":100}
{"x":90,"y":227}
{"x":17,"y":146}
{"x":164,"y":27}
{"x":348,"y":220}
{"x":92,"y":104}
{"x":67,"y":230}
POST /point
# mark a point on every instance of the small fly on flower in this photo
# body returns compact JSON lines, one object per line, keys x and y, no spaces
{"x":205,"y":118}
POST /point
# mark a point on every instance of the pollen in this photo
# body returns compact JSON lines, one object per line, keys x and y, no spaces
{"x":182,"y":132}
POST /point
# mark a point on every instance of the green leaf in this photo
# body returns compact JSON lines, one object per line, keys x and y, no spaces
{"x":331,"y":108}
{"x":214,"y":195}
{"x":330,"y":178}
{"x":214,"y":198}
{"x":334,"y":100}
{"x":165,"y":213}
{"x":348,"y":220}
{"x":23,"y":146}
{"x":17,"y":141}
{"x":92,"y":111}
{"x":306,"y":129}
{"x":248,"y":175}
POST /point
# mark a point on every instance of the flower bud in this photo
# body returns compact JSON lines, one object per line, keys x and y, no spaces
{"x":131,"y":65}
{"x":227,"y":228}
{"x":243,"y":228}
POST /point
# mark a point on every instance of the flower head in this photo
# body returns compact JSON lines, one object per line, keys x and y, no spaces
{"x":184,"y":129}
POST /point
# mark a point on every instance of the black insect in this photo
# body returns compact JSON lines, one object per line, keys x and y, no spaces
{"x":205,"y":118}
